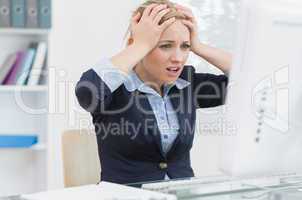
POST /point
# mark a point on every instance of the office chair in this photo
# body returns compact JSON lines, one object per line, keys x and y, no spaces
{"x":81,"y":164}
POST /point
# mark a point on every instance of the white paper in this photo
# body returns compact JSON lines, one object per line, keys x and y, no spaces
{"x":103,"y":191}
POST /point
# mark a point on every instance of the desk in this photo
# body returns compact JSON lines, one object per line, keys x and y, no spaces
{"x":272,"y":187}
{"x":282,"y":195}
{"x":280,"y":192}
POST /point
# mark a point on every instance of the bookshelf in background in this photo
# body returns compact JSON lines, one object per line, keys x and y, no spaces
{"x":24,"y":38}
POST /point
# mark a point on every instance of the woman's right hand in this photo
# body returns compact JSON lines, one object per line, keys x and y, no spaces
{"x":145,"y":29}
{"x":145,"y":32}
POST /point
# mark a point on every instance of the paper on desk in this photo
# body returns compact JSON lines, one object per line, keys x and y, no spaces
{"x":103,"y":191}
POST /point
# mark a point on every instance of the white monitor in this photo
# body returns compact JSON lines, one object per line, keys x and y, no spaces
{"x":264,"y":100}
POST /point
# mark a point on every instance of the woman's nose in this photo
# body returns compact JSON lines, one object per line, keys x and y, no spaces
{"x":177,"y":55}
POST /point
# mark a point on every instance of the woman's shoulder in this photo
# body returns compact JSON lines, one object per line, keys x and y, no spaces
{"x":189,"y":73}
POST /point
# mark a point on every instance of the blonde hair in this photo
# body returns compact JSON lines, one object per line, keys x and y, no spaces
{"x":172,"y":13}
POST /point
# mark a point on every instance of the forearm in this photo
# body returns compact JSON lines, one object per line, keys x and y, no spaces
{"x":217,"y":57}
{"x":129,"y":57}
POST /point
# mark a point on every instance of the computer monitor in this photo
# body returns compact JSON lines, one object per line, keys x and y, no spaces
{"x":264,"y":100}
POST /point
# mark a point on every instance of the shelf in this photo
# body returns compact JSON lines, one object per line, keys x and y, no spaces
{"x":25,"y":112}
{"x":14,"y":88}
{"x":24,"y":31}
{"x":36,"y":147}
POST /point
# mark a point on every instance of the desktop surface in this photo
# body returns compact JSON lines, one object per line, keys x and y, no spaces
{"x":291,"y":194}
{"x":206,"y":188}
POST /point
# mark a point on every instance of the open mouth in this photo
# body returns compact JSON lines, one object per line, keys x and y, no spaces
{"x":173,"y":69}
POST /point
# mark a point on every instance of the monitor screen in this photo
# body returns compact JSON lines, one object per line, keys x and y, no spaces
{"x":264,"y":100}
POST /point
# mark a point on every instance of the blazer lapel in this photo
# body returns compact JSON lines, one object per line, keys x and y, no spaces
{"x":149,"y":116}
{"x":180,"y":101}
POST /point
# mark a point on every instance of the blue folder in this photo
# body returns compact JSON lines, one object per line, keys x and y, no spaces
{"x":18,"y":141}
{"x":44,"y":13}
{"x":18,"y":13}
{"x":4,"y":13}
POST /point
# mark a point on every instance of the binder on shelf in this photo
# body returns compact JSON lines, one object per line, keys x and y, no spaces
{"x":11,"y":77}
{"x":31,"y":13}
{"x":37,"y":68}
{"x":4,"y":13}
{"x":44,"y":13}
{"x":7,"y":66}
{"x":18,"y":13}
{"x":18,"y":141}
{"x":25,"y":67}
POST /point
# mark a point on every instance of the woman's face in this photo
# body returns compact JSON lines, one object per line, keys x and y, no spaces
{"x":165,"y":62}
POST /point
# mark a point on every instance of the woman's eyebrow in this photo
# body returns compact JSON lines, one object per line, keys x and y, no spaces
{"x":172,"y":41}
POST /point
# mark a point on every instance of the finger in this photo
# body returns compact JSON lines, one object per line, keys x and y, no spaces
{"x":186,"y":12}
{"x":189,"y":24}
{"x":157,"y":9}
{"x":148,"y":10}
{"x":136,"y":18}
{"x":183,"y":7}
{"x":167,"y":23}
{"x":189,"y":15}
{"x":160,"y":15}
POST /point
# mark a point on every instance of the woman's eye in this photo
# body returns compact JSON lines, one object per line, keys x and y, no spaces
{"x":165,"y":46}
{"x":186,"y":46}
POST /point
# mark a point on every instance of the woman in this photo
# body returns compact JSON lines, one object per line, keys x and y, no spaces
{"x":143,"y":100}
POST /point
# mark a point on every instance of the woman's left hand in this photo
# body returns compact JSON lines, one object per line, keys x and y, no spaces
{"x":217,"y":57}
{"x":191,"y":23}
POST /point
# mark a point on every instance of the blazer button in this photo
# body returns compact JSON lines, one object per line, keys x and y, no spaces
{"x":163,"y":165}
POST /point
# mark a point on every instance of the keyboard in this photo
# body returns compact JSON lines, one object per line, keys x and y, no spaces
{"x":222,"y":184}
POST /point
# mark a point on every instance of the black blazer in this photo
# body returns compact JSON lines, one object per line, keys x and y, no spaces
{"x":134,"y":154}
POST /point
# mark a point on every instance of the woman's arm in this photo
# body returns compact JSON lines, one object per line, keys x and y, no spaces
{"x":129,"y":57}
{"x":95,"y":87}
{"x":217,"y":57}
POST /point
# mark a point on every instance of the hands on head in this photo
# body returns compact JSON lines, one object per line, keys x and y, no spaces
{"x":146,"y":28}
